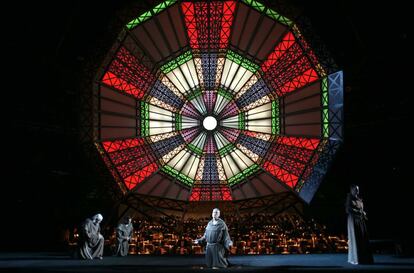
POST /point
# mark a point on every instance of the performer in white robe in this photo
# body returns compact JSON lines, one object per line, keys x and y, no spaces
{"x":91,"y":243}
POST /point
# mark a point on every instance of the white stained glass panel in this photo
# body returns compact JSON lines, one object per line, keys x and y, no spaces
{"x":242,"y":76}
{"x":230,"y":167}
{"x":199,"y":140}
{"x":190,"y":73}
{"x":242,"y":160}
{"x":262,"y":108}
{"x":266,"y":114}
{"x":262,"y":129}
{"x":220,"y":140}
{"x":178,"y":79}
{"x":189,"y":122}
{"x":161,"y":117}
{"x":231,"y":122}
{"x":190,"y":168}
{"x":156,"y":109}
{"x":260,"y":123}
{"x":230,"y":69}
{"x":160,"y":127}
{"x":179,"y":160}
{"x":198,"y":103}
{"x":221,"y":102}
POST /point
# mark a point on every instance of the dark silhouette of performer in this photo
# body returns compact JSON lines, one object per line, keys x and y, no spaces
{"x":218,"y":240}
{"x":123,"y":236}
{"x":358,"y":243}
{"x":91,"y":241}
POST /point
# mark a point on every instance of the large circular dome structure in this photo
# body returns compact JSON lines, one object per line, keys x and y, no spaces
{"x":217,"y":101}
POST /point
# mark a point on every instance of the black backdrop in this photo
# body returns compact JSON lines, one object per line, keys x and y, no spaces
{"x":48,"y":184}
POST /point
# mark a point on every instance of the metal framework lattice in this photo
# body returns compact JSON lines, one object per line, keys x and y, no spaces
{"x":274,"y":95}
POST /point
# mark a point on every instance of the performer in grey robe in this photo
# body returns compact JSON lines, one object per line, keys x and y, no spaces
{"x":123,"y":236}
{"x":91,"y":241}
{"x":358,"y":244}
{"x":217,"y":238}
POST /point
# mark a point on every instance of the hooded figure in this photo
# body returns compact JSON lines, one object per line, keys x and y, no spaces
{"x":218,"y":240}
{"x":123,"y":236}
{"x":91,"y":241}
{"x":358,"y":244}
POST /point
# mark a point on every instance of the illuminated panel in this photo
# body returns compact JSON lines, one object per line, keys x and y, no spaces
{"x":257,"y":146}
{"x":223,"y":98}
{"x":210,"y":171}
{"x":196,"y":98}
{"x":139,"y":176}
{"x":283,"y":175}
{"x":182,"y":72}
{"x":307,"y":77}
{"x":208,"y":23}
{"x":183,"y":167}
{"x":164,"y":94}
{"x":232,"y":122}
{"x":210,"y":193}
{"x":210,"y":147}
{"x":237,"y":71}
{"x":231,"y":109}
{"x":208,"y":18}
{"x":197,"y":145}
{"x":226,"y":22}
{"x":287,"y":41}
{"x":127,"y":74}
{"x":186,"y":123}
{"x":190,"y":22}
{"x":189,"y":110}
{"x":165,"y":146}
{"x":290,"y":54}
{"x":287,"y":158}
{"x":190,"y":134}
{"x":238,"y":167}
{"x":230,"y":134}
{"x":256,"y":92}
{"x":160,"y":120}
{"x":248,"y":85}
{"x":275,"y":118}
{"x":260,"y":119}
{"x":132,"y":159}
{"x":209,"y":98}
{"x":209,"y":64}
{"x":311,"y":55}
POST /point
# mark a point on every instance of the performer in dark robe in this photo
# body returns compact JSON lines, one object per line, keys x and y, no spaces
{"x":91,"y":241}
{"x":218,"y":240}
{"x":123,"y":236}
{"x":358,"y":243}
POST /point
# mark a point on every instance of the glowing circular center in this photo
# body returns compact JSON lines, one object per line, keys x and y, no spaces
{"x":210,"y":123}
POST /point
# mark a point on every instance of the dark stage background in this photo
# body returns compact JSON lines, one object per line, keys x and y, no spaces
{"x":47,"y":183}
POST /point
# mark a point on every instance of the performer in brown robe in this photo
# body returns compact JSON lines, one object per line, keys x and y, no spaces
{"x":123,"y":236}
{"x":91,"y":241}
{"x":358,"y":244}
{"x":217,"y":238}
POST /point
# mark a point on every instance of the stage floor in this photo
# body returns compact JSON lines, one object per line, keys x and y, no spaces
{"x":60,"y":262}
